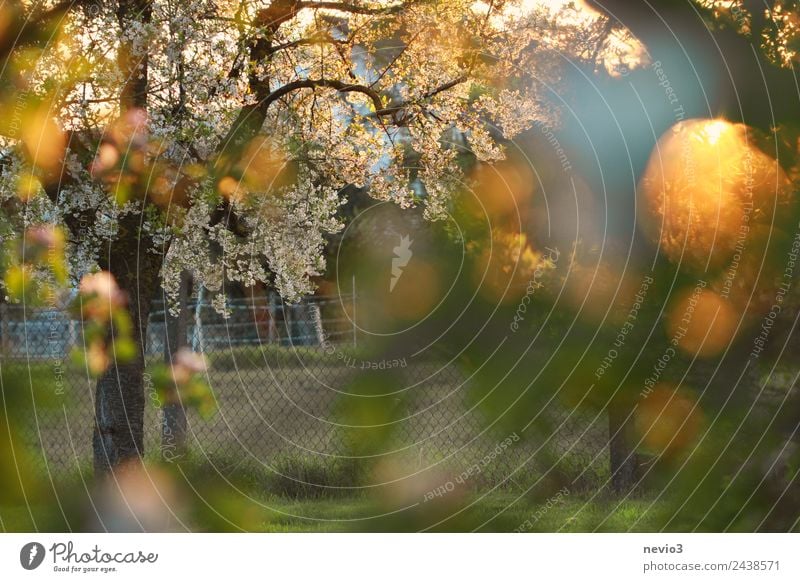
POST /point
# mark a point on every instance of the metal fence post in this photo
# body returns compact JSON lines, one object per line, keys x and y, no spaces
{"x":355,"y":327}
{"x":4,"y":343}
{"x":173,"y":425}
{"x":197,"y":333}
{"x":272,"y":330}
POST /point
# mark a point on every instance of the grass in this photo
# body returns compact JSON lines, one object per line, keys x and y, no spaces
{"x":275,"y":356}
{"x":496,"y":512}
{"x":239,"y":496}
{"x":266,"y":412}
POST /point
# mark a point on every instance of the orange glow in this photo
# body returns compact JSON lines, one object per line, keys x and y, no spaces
{"x":138,"y":498}
{"x":107,"y":156}
{"x":404,"y":485}
{"x":130,"y":128}
{"x":704,"y":183}
{"x":702,"y":323}
{"x":28,"y":186}
{"x":100,"y":296}
{"x":44,"y":141}
{"x":754,"y":275}
{"x":668,"y":420}
{"x":714,"y":130}
{"x":6,"y":18}
{"x":97,"y":360}
{"x":160,"y":191}
{"x":230,"y":188}
{"x":601,"y":291}
{"x":417,"y":292}
{"x":507,"y":267}
{"x":261,"y":164}
{"x":501,"y":189}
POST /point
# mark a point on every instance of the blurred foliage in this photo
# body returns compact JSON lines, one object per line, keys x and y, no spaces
{"x":181,"y":382}
{"x":683,"y":336}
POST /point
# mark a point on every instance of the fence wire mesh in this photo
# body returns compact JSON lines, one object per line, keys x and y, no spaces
{"x":281,"y":375}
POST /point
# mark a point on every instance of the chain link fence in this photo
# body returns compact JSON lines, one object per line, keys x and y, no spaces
{"x":281,"y":375}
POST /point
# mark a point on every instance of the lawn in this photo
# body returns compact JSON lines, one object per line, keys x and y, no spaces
{"x":574,"y":515}
{"x":273,"y":457}
{"x":497,"y":512}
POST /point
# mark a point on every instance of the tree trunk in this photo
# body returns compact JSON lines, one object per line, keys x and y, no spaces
{"x":119,"y":397}
{"x":119,"y":415}
{"x":623,"y":459}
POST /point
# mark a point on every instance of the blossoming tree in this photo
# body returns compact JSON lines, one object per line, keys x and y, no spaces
{"x":216,"y":136}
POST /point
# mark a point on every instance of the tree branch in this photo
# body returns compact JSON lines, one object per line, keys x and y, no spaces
{"x":133,"y":66}
{"x":354,"y":8}
{"x":374,"y":96}
{"x":36,"y":29}
{"x":444,"y":87}
{"x":333,"y":84}
{"x":320,"y":39}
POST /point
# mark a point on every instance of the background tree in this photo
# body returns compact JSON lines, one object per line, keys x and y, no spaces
{"x":731,"y":60}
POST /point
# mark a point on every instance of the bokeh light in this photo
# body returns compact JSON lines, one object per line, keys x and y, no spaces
{"x":706,"y":181}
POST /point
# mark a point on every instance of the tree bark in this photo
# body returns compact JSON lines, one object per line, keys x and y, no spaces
{"x":119,"y":416}
{"x":119,"y":396}
{"x":623,"y":459}
{"x":132,"y":62}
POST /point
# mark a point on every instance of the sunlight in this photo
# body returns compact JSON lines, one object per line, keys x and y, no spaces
{"x":714,"y":130}
{"x":705,"y":187}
